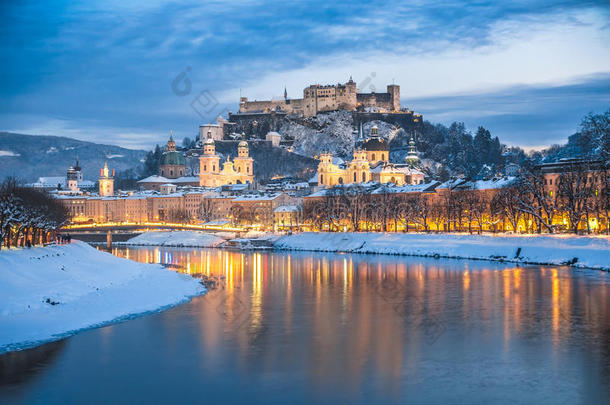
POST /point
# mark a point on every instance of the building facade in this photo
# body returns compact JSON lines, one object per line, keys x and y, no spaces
{"x":370,"y":163}
{"x":238,"y":171}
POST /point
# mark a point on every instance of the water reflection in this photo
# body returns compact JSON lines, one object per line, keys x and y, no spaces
{"x":349,"y":319}
{"x":303,"y":327}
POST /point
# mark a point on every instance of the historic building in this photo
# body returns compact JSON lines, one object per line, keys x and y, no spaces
{"x":72,"y":183}
{"x":238,"y":171}
{"x":74,"y":176}
{"x":106,"y":181}
{"x":216,"y":131}
{"x":173,"y":164}
{"x":371,"y":163}
{"x":320,"y":98}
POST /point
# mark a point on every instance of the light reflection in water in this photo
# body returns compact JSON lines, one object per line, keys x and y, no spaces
{"x":349,"y":319}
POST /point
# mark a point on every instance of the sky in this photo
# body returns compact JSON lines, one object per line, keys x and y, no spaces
{"x":127,"y":72}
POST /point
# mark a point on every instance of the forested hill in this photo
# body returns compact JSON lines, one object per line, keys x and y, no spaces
{"x":592,"y":140}
{"x":28,"y":157}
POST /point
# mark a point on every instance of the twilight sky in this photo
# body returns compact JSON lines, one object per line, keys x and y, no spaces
{"x":126,"y":72}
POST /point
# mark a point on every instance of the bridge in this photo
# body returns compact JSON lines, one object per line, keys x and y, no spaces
{"x":149,"y":226}
{"x":122,"y":231}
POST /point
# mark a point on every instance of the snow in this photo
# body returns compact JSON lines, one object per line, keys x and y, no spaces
{"x":591,"y":252}
{"x":287,"y":208}
{"x":114,"y":156}
{"x":154,"y":179}
{"x":8,"y":153}
{"x":48,"y":293}
{"x":257,"y":197}
{"x":331,"y":132}
{"x":176,"y":239}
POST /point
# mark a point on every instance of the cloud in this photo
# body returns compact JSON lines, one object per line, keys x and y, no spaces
{"x":547,"y":51}
{"x":528,"y":116}
{"x":107,"y":66}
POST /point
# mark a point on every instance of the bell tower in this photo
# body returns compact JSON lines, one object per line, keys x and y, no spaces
{"x":244,"y":163}
{"x":209,"y":164}
{"x":106,"y":181}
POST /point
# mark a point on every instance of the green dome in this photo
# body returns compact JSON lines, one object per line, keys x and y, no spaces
{"x":173,"y":158}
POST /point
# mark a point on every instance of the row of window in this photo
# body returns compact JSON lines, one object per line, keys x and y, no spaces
{"x":171,"y":172}
{"x":205,"y":169}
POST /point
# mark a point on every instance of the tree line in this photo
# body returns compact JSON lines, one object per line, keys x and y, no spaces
{"x":579,"y":202}
{"x":28,"y":215}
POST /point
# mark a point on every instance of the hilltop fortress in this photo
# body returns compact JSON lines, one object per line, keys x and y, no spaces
{"x":318,"y":98}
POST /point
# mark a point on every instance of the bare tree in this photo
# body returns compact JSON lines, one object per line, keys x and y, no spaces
{"x":506,"y":204}
{"x":534,"y":200}
{"x":576,"y":186}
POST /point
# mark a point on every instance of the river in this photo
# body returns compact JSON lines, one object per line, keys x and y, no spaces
{"x":285,"y":327}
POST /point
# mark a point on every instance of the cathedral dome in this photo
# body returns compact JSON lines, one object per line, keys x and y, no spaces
{"x":243,"y":144}
{"x":209,"y":141}
{"x":375,"y":144}
{"x":173,"y":158}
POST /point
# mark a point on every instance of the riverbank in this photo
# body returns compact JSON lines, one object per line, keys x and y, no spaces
{"x":179,"y":239}
{"x":577,"y":251}
{"x":47,"y":293}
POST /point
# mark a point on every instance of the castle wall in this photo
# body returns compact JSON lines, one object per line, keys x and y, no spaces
{"x":289,"y":106}
{"x":317,"y":98}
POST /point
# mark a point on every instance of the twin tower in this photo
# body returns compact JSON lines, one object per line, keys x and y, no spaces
{"x":238,"y":171}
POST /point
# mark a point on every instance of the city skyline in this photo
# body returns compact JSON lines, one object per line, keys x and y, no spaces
{"x":107,"y":72}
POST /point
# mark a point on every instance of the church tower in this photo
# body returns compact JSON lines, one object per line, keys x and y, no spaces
{"x":412,"y":159}
{"x":106,"y":181}
{"x":209,"y":164}
{"x":74,"y":176}
{"x":244,"y":163}
{"x":173,"y":164}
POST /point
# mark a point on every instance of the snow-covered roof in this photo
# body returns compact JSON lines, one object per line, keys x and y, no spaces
{"x":377,"y":188}
{"x":238,"y":187}
{"x":408,"y":170}
{"x":407,"y":188}
{"x":257,"y":197}
{"x":154,"y":179}
{"x":286,"y":208}
{"x":450,"y":184}
{"x":494,"y":183}
{"x":186,"y":179}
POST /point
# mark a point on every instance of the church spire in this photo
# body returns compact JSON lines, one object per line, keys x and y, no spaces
{"x":171,"y":144}
{"x":285,"y":93}
{"x":412,"y":158}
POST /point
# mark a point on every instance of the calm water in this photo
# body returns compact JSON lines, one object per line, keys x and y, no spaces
{"x":327,"y":328}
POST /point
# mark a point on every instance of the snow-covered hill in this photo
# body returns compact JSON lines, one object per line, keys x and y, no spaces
{"x":28,"y":157}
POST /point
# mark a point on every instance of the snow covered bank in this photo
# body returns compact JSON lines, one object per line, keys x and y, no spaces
{"x":52,"y":292}
{"x":178,"y":239}
{"x":589,"y":252}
